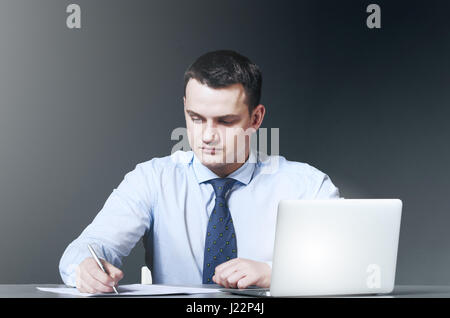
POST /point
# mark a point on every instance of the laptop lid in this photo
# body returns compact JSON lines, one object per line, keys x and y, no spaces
{"x":335,"y":247}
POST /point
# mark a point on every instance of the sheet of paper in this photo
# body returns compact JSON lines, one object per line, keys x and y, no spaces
{"x":135,"y":290}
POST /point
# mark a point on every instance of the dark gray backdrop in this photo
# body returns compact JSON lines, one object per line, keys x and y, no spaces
{"x":80,"y":108}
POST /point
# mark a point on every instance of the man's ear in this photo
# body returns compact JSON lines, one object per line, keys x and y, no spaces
{"x":257,"y":116}
{"x":184,"y":100}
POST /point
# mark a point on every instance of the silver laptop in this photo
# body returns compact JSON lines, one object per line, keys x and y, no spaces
{"x":333,"y":247}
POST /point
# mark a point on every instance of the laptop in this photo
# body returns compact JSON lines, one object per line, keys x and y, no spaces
{"x":333,"y":247}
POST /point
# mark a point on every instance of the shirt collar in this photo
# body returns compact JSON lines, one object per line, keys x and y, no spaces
{"x":243,"y":174}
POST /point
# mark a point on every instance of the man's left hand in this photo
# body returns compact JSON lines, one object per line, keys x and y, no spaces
{"x":241,"y":273}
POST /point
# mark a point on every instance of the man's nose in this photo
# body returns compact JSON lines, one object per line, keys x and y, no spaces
{"x":209,"y":134}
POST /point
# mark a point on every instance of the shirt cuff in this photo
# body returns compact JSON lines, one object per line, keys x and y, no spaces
{"x":71,"y":275}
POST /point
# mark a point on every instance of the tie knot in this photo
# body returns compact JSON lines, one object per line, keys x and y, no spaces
{"x":222,"y":185}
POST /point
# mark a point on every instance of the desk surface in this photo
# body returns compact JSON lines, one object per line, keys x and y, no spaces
{"x":400,"y":291}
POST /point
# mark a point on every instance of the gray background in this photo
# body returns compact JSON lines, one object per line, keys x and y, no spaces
{"x":80,"y":108}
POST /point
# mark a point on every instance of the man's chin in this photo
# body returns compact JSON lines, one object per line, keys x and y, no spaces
{"x":217,"y":159}
{"x":211,"y":159}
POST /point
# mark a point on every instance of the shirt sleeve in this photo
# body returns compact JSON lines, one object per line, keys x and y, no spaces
{"x":326,"y":189}
{"x":123,"y":220}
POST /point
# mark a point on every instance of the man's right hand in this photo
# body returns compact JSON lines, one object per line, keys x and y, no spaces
{"x":91,"y":279}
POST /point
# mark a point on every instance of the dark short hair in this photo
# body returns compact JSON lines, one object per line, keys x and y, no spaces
{"x":223,"y":68}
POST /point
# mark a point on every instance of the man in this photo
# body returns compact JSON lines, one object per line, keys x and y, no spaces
{"x":204,"y":218}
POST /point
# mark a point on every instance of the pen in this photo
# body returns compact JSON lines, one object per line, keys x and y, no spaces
{"x":99,"y":263}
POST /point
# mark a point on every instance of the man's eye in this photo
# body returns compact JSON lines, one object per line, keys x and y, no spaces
{"x":226,"y":122}
{"x":195,"y":119}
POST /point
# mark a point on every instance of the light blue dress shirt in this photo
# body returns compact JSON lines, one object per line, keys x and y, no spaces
{"x":167,"y":202}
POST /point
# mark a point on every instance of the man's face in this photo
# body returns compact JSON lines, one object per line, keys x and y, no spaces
{"x":217,"y":120}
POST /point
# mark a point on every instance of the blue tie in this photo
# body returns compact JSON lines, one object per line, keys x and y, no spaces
{"x":220,"y":243}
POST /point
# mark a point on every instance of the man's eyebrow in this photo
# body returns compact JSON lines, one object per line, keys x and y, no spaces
{"x":229,"y":116}
{"x":192,"y":113}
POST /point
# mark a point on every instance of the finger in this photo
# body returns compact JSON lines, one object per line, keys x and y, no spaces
{"x":227,"y":267}
{"x":222,"y":282}
{"x":227,"y":272}
{"x":115,"y":273}
{"x":79,"y":284}
{"x":231,"y":262}
{"x":234,"y":278}
{"x":88,"y":280}
{"x":100,"y":275}
{"x":216,"y":279}
{"x":84,"y":288}
{"x":221,"y":276}
{"x":246,"y":281}
{"x":98,"y":286}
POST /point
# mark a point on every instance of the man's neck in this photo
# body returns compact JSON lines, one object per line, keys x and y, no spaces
{"x":226,"y":170}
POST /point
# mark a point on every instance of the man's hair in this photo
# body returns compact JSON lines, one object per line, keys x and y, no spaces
{"x":223,"y":68}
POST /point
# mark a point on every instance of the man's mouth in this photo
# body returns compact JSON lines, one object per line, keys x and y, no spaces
{"x":210,"y":150}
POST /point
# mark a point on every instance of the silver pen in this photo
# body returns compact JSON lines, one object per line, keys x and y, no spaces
{"x":99,"y":263}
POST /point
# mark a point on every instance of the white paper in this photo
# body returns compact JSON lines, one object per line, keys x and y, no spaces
{"x":135,"y":290}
